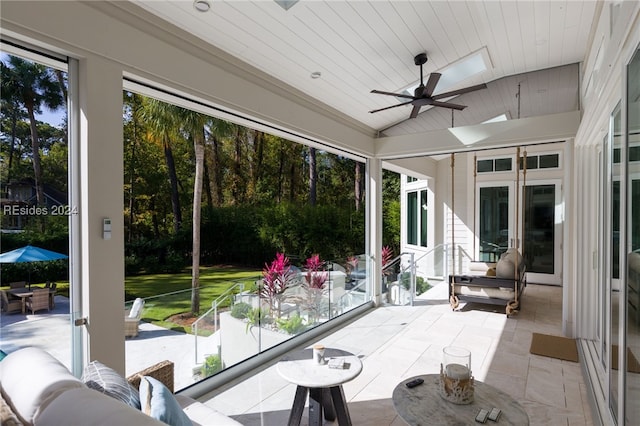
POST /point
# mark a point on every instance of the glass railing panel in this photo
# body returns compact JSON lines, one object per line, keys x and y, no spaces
{"x":241,"y":322}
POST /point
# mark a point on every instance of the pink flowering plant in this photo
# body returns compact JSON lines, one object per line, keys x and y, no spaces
{"x":314,"y":285}
{"x":387,"y":256}
{"x":316,"y":277}
{"x":276,"y":278}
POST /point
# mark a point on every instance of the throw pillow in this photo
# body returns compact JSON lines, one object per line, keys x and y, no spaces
{"x":2,"y":355}
{"x":7,"y":416}
{"x":158,"y":402}
{"x":106,"y":380}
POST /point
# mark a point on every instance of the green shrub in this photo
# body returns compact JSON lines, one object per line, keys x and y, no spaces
{"x":256,"y":317}
{"x":212,"y":364}
{"x":421,"y":284}
{"x":292,"y":325}
{"x":240,"y":310}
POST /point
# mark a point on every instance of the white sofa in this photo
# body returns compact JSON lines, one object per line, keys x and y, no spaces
{"x":42,"y":392}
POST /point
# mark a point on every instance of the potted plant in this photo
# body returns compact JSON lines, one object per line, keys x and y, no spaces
{"x":314,"y":286}
{"x":277,"y":276}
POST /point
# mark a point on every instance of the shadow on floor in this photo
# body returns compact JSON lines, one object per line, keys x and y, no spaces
{"x":378,"y":412}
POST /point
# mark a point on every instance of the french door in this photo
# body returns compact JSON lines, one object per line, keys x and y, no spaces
{"x":532,"y":222}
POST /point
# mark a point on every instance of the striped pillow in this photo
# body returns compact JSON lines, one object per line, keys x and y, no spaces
{"x":106,"y":380}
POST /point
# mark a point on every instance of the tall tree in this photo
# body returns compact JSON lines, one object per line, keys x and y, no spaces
{"x":163,"y":121}
{"x":194,"y":123}
{"x":358,"y":185}
{"x":313,"y":176}
{"x":36,"y":86}
{"x":11,"y":108}
{"x":238,"y":184}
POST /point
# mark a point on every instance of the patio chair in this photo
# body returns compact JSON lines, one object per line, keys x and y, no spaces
{"x":9,"y":306}
{"x":52,"y":295}
{"x":39,"y":300}
{"x":132,"y":318}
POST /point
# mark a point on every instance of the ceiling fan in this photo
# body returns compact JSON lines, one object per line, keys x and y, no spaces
{"x":423,"y":95}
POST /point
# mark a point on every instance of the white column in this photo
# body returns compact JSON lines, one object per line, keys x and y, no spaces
{"x":569,"y":289}
{"x":374,"y":227}
{"x":101,"y":196}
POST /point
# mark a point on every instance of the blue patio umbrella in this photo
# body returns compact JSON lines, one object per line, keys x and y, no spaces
{"x":30,"y":254}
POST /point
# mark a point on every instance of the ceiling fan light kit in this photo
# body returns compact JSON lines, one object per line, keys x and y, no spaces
{"x":423,"y":94}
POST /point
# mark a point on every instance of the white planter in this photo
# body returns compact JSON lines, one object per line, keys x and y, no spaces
{"x":237,"y":342}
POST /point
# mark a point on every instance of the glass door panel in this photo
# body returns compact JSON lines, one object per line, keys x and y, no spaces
{"x":632,"y":391}
{"x":495,"y":213}
{"x":614,"y":280}
{"x":542,"y":232}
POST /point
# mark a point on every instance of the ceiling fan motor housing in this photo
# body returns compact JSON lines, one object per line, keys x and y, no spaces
{"x":420,"y":59}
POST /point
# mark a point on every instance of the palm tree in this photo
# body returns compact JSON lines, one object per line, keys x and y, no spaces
{"x":36,"y":86}
{"x":163,"y":120}
{"x":11,"y":108}
{"x":313,"y":176}
{"x":195,"y":124}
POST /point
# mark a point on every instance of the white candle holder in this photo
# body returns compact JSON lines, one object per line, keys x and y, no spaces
{"x":456,"y":380}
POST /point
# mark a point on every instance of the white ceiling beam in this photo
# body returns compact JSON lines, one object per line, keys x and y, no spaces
{"x":525,"y":131}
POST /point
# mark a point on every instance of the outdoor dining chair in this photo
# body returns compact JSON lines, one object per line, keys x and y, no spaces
{"x":18,"y":284}
{"x":39,"y":300}
{"x":52,"y":295}
{"x":10,"y":306}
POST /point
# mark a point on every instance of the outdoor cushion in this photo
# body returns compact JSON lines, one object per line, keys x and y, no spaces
{"x":87,"y":407}
{"x":158,"y":402}
{"x":135,"y":309}
{"x":98,"y":376}
{"x":31,"y":378}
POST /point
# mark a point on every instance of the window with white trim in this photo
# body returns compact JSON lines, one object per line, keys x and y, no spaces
{"x":417,"y":217}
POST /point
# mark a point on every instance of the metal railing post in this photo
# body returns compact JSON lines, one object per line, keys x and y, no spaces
{"x":413,"y":278}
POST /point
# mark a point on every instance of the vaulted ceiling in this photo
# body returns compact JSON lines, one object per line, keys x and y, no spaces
{"x":532,"y":48}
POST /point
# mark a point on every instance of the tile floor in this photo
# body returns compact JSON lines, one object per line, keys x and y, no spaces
{"x":395,"y":343}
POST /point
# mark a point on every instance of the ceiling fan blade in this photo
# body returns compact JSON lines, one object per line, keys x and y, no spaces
{"x":448,"y":105}
{"x":415,"y":111}
{"x":398,"y":95}
{"x":389,"y":107}
{"x":460,"y":91}
{"x":434,"y":77}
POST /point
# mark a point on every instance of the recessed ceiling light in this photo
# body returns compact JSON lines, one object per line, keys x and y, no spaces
{"x":202,"y":5}
{"x":316,"y":74}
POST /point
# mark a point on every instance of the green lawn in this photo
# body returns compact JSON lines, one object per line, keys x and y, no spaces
{"x":168,"y":295}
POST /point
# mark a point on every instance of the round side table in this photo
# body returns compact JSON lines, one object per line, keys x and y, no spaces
{"x":321,"y":383}
{"x":423,"y":405}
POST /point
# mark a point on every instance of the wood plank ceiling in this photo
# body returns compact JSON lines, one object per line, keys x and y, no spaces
{"x":358,"y":46}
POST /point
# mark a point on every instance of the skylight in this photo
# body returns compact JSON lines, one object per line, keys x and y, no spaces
{"x":286,"y":4}
{"x":501,"y":117}
{"x":457,"y":72}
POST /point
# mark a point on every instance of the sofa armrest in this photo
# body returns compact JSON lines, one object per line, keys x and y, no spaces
{"x":31,"y":378}
{"x":162,"y":371}
{"x":201,"y":414}
{"x":88,"y":407}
